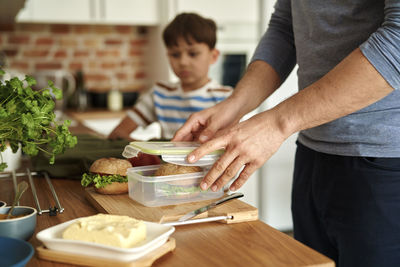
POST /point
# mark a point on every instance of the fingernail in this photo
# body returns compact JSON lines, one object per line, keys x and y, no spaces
{"x":203,"y":138}
{"x":203,"y":186}
{"x":214,"y":188}
{"x":191,"y":158}
{"x":232,"y":188}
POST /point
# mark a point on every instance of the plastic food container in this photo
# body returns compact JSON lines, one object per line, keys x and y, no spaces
{"x":172,"y":152}
{"x":154,"y":191}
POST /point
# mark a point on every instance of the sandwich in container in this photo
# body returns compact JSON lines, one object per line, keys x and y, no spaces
{"x":151,"y":190}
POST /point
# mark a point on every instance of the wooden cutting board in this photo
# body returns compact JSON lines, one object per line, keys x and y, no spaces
{"x":84,"y":260}
{"x":123,"y":205}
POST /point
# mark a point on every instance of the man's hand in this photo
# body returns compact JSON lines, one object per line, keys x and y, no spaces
{"x":202,"y":126}
{"x":249,"y":144}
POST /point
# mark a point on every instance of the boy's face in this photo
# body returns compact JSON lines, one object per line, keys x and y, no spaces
{"x":190,"y":62}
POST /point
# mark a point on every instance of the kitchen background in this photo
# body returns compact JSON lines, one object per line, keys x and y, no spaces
{"x":92,"y":48}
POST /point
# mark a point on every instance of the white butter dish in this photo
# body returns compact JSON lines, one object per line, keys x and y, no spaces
{"x":157,"y":235}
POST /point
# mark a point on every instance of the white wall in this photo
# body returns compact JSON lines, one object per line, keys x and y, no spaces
{"x":276,"y":174}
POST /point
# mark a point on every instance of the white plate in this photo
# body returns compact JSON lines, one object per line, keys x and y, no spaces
{"x":156,"y":236}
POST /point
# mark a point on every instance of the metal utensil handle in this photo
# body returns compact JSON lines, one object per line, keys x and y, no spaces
{"x":14,"y":177}
{"x":60,"y":208}
{"x":229,"y":197}
{"x":33,"y":188}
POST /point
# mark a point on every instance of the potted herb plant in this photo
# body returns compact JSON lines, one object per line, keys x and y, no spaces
{"x":27,"y":120}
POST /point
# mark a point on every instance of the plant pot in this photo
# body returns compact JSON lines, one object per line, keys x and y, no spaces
{"x":13,"y":160}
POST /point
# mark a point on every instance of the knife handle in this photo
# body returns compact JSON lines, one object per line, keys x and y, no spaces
{"x":229,"y":197}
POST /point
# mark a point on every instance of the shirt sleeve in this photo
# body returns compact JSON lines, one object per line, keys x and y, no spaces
{"x":143,"y":112}
{"x":277,"y":47}
{"x":382,"y":48}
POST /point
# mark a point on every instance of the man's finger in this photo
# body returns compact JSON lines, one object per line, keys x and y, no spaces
{"x":229,"y":173}
{"x":205,"y":149}
{"x":217,"y":170}
{"x":248,"y":170}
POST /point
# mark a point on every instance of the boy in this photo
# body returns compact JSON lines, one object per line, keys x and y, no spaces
{"x":190,"y":41}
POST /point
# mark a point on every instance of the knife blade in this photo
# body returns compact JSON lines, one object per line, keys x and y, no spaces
{"x":195,"y":212}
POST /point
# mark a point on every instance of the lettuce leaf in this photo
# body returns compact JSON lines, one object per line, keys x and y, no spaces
{"x":100,"y":181}
{"x":176,"y":190}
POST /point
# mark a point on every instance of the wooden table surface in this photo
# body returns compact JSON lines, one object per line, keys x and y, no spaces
{"x":207,"y":244}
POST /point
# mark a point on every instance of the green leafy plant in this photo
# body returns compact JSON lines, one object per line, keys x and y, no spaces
{"x":27,"y":119}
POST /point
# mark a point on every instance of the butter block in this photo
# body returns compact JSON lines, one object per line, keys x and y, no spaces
{"x":112,"y":230}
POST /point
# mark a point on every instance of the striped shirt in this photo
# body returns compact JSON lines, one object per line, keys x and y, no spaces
{"x":169,"y":105}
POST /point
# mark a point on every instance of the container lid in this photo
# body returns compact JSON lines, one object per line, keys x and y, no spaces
{"x":172,"y":152}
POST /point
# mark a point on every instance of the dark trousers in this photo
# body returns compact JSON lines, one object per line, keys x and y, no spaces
{"x":348,"y":208}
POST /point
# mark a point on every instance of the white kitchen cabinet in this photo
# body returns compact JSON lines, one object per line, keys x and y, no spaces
{"x":57,"y":11}
{"x":226,"y":13}
{"x":236,"y":19}
{"x":223,"y":11}
{"x":127,"y":12}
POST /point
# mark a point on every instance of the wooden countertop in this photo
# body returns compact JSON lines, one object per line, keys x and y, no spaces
{"x":96,"y":114}
{"x":207,"y":244}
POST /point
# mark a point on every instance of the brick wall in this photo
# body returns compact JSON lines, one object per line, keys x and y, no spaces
{"x":106,"y":54}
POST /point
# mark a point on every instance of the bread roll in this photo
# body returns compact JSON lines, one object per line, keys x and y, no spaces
{"x":110,"y":166}
{"x":114,"y":188}
{"x":172,"y":169}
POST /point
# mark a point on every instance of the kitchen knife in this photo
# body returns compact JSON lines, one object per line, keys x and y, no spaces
{"x":200,"y":220}
{"x":210,"y":206}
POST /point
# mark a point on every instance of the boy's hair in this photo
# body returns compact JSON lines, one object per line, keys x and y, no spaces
{"x":190,"y":26}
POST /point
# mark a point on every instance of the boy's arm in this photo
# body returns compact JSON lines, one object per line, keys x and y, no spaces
{"x":124,"y":129}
